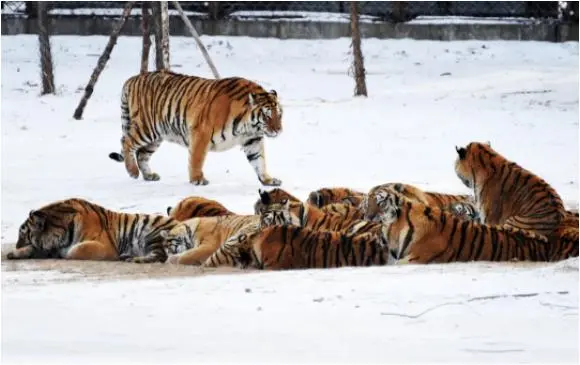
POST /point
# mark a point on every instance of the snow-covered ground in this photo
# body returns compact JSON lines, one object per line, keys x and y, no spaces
{"x":425,"y":98}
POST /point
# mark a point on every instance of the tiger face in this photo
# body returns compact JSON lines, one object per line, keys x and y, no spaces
{"x":177,"y":240}
{"x":276,"y":214}
{"x":266,"y":113}
{"x":375,"y":204}
{"x":465,"y":212}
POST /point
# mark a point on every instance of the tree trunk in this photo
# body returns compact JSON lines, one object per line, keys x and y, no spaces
{"x":156,"y":9}
{"x":146,"y":29}
{"x":197,"y":39}
{"x":103,"y":60}
{"x":46,"y":70}
{"x":165,"y":34}
{"x":358,"y":63}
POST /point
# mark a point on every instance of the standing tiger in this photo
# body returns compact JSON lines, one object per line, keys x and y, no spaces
{"x":417,"y":233}
{"x":197,"y":206}
{"x":76,"y":229}
{"x":201,"y":114}
{"x":507,"y":194}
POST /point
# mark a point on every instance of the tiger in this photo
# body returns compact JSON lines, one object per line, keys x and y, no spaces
{"x":200,"y":114}
{"x":292,"y":247}
{"x":505,"y":193}
{"x":76,"y":229}
{"x":417,"y":233}
{"x":196,"y":206}
{"x":191,"y":242}
{"x":325,"y":196}
{"x":463,"y":210}
{"x":309,"y":216}
{"x":447,"y":202}
{"x":567,"y":233}
{"x":274,"y":195}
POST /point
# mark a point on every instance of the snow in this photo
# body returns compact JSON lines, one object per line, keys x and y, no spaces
{"x":425,"y":98}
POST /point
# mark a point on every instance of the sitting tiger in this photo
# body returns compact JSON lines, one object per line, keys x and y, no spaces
{"x":309,"y":216}
{"x":191,"y":242}
{"x":417,"y":233}
{"x":507,"y":194}
{"x":200,"y":114}
{"x":325,"y":196}
{"x":76,"y":229}
{"x":196,"y":206}
{"x":460,"y":205}
{"x":291,"y":247}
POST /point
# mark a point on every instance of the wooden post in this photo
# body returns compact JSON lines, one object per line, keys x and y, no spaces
{"x":358,"y":62}
{"x":103,"y":60}
{"x":146,"y":29}
{"x":46,"y":69}
{"x":197,"y":39}
{"x":156,"y":10}
{"x":165,"y":34}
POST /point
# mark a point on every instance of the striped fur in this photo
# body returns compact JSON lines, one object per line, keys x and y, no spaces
{"x":76,"y":229}
{"x":191,"y":242}
{"x":291,"y":247}
{"x":196,"y":206}
{"x":325,"y":196}
{"x":275,"y":195}
{"x":417,"y":233}
{"x":200,"y":114}
{"x":507,"y":194}
{"x":435,"y":200}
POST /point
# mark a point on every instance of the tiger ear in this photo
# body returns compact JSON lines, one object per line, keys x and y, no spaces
{"x":462,"y":152}
{"x":38,"y":219}
{"x":168,"y":210}
{"x":251,"y":99}
{"x":264,"y":197}
{"x":273,"y":92}
{"x":164,"y":234}
{"x":242,"y":237}
{"x":286,"y":204}
{"x":488,"y":143}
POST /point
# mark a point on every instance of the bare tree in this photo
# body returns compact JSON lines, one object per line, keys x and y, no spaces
{"x":165,"y":34}
{"x":146,"y":29}
{"x":156,"y":10}
{"x":103,"y":60}
{"x":197,"y":39}
{"x":358,"y":62}
{"x":46,"y":69}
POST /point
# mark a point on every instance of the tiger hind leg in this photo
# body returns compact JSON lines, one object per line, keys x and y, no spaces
{"x":92,"y":250}
{"x":143,"y":156}
{"x":129,"y":156}
{"x":26,"y":252}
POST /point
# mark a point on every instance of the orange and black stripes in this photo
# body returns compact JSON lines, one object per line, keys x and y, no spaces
{"x":196,"y":206}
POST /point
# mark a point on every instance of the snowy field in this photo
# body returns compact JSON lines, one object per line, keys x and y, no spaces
{"x":425,"y":98}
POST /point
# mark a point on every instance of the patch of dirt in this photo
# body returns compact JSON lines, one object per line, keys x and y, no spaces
{"x":75,"y":270}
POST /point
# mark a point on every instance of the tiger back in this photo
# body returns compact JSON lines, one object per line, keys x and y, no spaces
{"x":191,"y":242}
{"x":417,"y":233}
{"x":292,"y":247}
{"x":77,"y":229}
{"x":507,"y":194}
{"x":200,"y":114}
{"x":197,"y":206}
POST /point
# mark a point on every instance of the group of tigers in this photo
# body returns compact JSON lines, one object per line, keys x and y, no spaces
{"x":510,"y":214}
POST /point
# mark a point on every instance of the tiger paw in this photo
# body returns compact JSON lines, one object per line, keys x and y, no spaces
{"x":11,"y":256}
{"x":151,"y":177}
{"x":271,"y":181}
{"x":200,"y":181}
{"x":138,"y":260}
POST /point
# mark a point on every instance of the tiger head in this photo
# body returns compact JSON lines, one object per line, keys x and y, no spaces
{"x":373,"y":204}
{"x":275,"y":195}
{"x":48,"y":228}
{"x":265,"y":113}
{"x":242,"y":243}
{"x":274,"y":213}
{"x":473,"y":161}
{"x":178,"y":239}
{"x":465,"y":211}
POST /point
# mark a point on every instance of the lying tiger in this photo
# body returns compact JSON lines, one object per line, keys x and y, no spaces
{"x":507,"y":194}
{"x":291,"y":247}
{"x":322,"y":197}
{"x":191,"y":242}
{"x":196,"y":206}
{"x":76,"y":229}
{"x":420,"y":234}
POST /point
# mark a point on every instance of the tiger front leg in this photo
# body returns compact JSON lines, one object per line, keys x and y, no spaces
{"x":155,"y":252}
{"x":198,"y":147}
{"x":26,"y":252}
{"x":255,"y":153}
